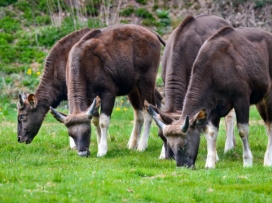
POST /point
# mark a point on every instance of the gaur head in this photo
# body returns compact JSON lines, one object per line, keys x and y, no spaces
{"x":79,"y":126}
{"x":30,"y":117}
{"x":183,"y":136}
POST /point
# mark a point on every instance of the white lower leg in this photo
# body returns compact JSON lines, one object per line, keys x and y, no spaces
{"x":268,"y":153}
{"x":247,"y":155}
{"x":104,"y":122}
{"x":95,"y":121}
{"x":230,"y":138}
{"x":136,"y":131}
{"x":144,"y":138}
{"x":162,"y":155}
{"x":72,"y":143}
{"x":211,"y":133}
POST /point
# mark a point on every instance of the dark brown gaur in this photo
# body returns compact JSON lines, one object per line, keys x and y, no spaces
{"x":52,"y":89}
{"x":114,"y":61}
{"x":177,"y":61}
{"x":32,"y":108}
{"x":233,"y":69}
{"x":78,"y":121}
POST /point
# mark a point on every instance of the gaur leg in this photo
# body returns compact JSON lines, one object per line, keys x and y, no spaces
{"x":211,"y":133}
{"x":143,"y":143}
{"x":135,"y":101}
{"x":163,"y":152}
{"x":268,"y":153}
{"x":72,"y":143}
{"x":230,"y":136}
{"x":95,"y":121}
{"x":107,"y":104}
{"x":146,"y":87}
{"x":241,"y":107}
{"x":265,"y":110}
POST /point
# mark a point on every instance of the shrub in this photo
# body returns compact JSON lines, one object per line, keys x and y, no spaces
{"x":143,"y":2}
{"x":127,"y":12}
{"x":43,"y":20}
{"x":7,"y":2}
{"x":8,"y":38}
{"x":150,"y":22}
{"x":48,"y":36}
{"x":9,"y":25}
{"x":162,"y":13}
{"x":143,"y":13}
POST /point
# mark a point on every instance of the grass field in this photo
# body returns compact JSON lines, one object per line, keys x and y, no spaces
{"x":48,"y":171}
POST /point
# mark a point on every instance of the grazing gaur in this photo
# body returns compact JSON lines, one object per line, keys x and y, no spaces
{"x":52,"y":89}
{"x":177,"y":61}
{"x":233,"y":69}
{"x":32,"y":108}
{"x":114,"y":61}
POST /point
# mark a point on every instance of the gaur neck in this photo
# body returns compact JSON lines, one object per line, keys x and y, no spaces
{"x":47,"y":95}
{"x":197,"y":98}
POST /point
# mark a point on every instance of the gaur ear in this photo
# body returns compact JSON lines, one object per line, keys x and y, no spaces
{"x":94,"y":107}
{"x":32,"y":101}
{"x":57,"y":115}
{"x":20,"y":103}
{"x":200,"y":118}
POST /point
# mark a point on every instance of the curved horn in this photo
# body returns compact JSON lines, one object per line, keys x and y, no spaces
{"x":20,"y":103}
{"x":57,"y":115}
{"x":93,"y":107}
{"x":185,"y":126}
{"x":153,"y":113}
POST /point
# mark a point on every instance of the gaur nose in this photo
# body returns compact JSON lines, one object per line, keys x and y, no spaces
{"x":19,"y":139}
{"x":84,"y":153}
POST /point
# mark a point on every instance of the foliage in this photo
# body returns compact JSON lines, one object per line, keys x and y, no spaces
{"x":127,"y":12}
{"x":163,"y":15}
{"x":7,"y":2}
{"x":144,"y":13}
{"x":143,"y":2}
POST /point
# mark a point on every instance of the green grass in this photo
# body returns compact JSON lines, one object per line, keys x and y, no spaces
{"x":48,"y":171}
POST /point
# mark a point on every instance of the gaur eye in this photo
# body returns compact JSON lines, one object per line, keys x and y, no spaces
{"x":184,"y":147}
{"x":22,"y":117}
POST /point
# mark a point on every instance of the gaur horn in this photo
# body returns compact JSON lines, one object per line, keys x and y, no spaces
{"x":153,"y":113}
{"x":57,"y":115}
{"x":185,"y":126}
{"x":20,"y":103}
{"x":96,"y":103}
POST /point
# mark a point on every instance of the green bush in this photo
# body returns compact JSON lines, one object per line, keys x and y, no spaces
{"x":127,"y":12}
{"x":7,"y":2}
{"x":162,"y":13}
{"x":143,"y":2}
{"x":50,"y":35}
{"x":150,"y":22}
{"x":43,"y":20}
{"x":143,"y":13}
{"x":8,"y":38}
{"x":9,"y":25}
{"x":155,"y":7}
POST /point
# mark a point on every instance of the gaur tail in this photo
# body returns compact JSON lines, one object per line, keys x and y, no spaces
{"x":159,"y":37}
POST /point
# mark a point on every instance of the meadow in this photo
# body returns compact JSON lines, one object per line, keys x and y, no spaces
{"x":48,"y":171}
